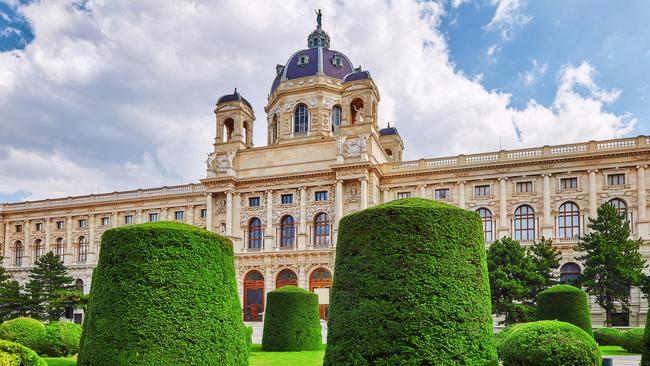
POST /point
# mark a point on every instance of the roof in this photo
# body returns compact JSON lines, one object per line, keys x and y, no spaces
{"x":234,"y":97}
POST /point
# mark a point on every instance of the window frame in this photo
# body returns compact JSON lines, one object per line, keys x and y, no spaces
{"x":445,"y":197}
{"x":320,"y":196}
{"x":487,"y":221}
{"x":568,"y":179}
{"x":286,"y":195}
{"x":105,"y":221}
{"x":527,"y":184}
{"x":287,"y":232}
{"x":152,"y":216}
{"x":405,"y":194}
{"x":255,"y":234}
{"x":128,"y":219}
{"x":322,"y":229}
{"x":180,"y":217}
{"x":523,"y":224}
{"x":565,"y":216}
{"x":482,"y":190}
{"x":257,"y":200}
{"x":615,"y":179}
{"x":301,"y":119}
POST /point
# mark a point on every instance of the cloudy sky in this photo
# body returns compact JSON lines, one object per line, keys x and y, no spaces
{"x":118,"y":94}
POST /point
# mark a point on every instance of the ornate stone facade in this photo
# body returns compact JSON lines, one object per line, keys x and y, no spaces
{"x":326,"y":157}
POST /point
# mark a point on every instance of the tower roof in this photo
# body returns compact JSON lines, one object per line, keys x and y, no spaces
{"x":233,"y":98}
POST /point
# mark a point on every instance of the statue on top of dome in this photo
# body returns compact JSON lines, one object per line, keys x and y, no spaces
{"x":319,"y":19}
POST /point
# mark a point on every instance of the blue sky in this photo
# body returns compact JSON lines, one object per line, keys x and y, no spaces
{"x":104,"y":96}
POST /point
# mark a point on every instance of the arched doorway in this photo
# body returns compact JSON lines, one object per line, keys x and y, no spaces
{"x":253,"y":296}
{"x":286,"y":277}
{"x":320,"y":282}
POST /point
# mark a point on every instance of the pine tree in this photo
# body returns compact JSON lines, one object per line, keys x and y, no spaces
{"x":47,"y":279}
{"x":12,"y":299}
{"x":546,"y":258}
{"x":612,"y":262}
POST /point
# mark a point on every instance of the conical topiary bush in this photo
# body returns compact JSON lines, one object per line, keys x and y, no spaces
{"x":291,"y":320}
{"x":565,"y":303}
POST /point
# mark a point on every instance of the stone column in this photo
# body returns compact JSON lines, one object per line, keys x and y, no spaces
{"x":91,"y":239}
{"x":269,"y":234}
{"x":69,"y":247}
{"x":138,"y":216}
{"x":302,"y":228}
{"x":386,"y":195}
{"x":236,"y":223}
{"x":7,"y":249}
{"x":302,"y":278}
{"x":29,"y":248}
{"x":593,"y":207}
{"x":547,"y":223}
{"x":190,"y":214}
{"x":209,"y":225}
{"x":116,"y":219}
{"x":269,"y":281}
{"x":642,"y":219}
{"x":461,"y":194}
{"x":164,"y":214}
{"x":229,"y":213}
{"x":339,"y":203}
{"x":504,"y":225}
{"x":423,"y":191}
{"x":364,"y":193}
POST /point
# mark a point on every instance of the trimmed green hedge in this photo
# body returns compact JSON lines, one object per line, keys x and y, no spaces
{"x":291,"y":321}
{"x":549,"y":343}
{"x":609,"y":336}
{"x":645,"y":354}
{"x":61,"y":339}
{"x":502,"y":335}
{"x":164,"y":294}
{"x":26,"y":331}
{"x":565,"y":303}
{"x":633,"y":340}
{"x":410,"y":288}
{"x":14,"y":354}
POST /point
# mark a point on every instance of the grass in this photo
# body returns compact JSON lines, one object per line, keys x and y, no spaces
{"x":258,"y":358}
{"x":615,"y":351}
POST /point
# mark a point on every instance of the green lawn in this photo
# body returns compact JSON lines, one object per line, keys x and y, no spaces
{"x":258,"y":358}
{"x":615,"y":351}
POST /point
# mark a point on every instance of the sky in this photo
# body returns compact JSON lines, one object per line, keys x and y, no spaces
{"x":99,"y":96}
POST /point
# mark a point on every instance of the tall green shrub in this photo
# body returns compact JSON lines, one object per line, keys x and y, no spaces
{"x":291,"y":320}
{"x":26,"y":331}
{"x":410,"y":288}
{"x":549,"y":343}
{"x":645,"y":352}
{"x":565,"y":303}
{"x":164,"y":294}
{"x":15,"y":354}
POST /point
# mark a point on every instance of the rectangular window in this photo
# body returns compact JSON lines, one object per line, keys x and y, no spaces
{"x":615,"y":179}
{"x":569,"y":183}
{"x":482,"y":190}
{"x":39,"y":226}
{"x":179,"y":215}
{"x":320,"y":196}
{"x":441,"y":194}
{"x":524,"y":187}
{"x":204,"y":213}
{"x":286,"y":199}
{"x":104,"y":221}
{"x":401,"y":195}
{"x":19,"y":228}
{"x":60,"y":225}
{"x":83,"y":223}
{"x":128,"y":219}
{"x":153,"y":217}
{"x":254,"y":201}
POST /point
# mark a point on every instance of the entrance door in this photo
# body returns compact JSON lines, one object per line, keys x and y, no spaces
{"x":253,"y":296}
{"x":320,"y":282}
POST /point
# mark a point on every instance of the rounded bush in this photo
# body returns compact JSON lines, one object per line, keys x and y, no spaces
{"x":565,"y":303}
{"x":26,"y":331}
{"x":410,"y":288}
{"x":164,"y":294}
{"x":502,"y":335}
{"x":633,"y":340}
{"x":291,"y":320}
{"x":609,"y":336}
{"x":14,"y":354}
{"x":549,"y":343}
{"x":61,"y":339}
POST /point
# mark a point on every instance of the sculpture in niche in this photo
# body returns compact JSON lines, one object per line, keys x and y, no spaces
{"x":359,"y":114}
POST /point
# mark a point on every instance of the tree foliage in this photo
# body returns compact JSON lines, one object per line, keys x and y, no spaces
{"x":612,"y":261}
{"x":12,"y":299}
{"x":46,"y":280}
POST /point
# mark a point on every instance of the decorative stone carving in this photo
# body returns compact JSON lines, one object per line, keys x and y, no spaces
{"x":312,"y":103}
{"x":355,"y":147}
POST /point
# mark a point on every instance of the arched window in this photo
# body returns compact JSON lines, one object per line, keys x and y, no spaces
{"x":18,"y":253}
{"x":321,"y":230}
{"x":620,"y":207}
{"x":320,"y":282}
{"x":568,"y":221}
{"x":524,"y":223}
{"x":247,"y":133}
{"x":336,"y":117}
{"x":301,"y":119}
{"x":255,"y":234}
{"x":253,"y":296}
{"x":486,"y":219}
{"x":286,"y":277}
{"x":287,"y":232}
{"x":59,"y":247}
{"x":569,"y":273}
{"x":82,"y":246}
{"x":39,"y":250}
{"x":389,"y":153}
{"x":228,"y":129}
{"x":274,"y":129}
{"x":79,"y":285}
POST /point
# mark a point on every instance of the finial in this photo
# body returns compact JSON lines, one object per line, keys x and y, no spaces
{"x":388,"y":124}
{"x":235,"y":90}
{"x":319,"y":19}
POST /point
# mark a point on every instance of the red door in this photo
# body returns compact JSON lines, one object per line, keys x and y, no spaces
{"x":253,"y":296}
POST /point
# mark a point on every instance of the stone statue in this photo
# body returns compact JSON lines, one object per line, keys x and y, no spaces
{"x":319,"y":18}
{"x":359,"y":115}
{"x":340,"y":141}
{"x":209,"y":162}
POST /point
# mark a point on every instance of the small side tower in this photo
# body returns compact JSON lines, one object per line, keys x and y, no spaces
{"x":391,"y":143}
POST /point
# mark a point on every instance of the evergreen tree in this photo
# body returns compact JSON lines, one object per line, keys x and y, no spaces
{"x":546,"y":258}
{"x":12,"y":299}
{"x":47,"y":279}
{"x":513,"y":274}
{"x":612,"y":262}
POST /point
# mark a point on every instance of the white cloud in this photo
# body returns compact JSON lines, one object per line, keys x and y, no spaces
{"x":507,"y":17}
{"x":122,"y":96}
{"x":492,"y":52}
{"x":537,"y":70}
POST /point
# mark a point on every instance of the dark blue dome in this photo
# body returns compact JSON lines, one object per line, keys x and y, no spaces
{"x":357,"y":75}
{"x":233,"y":98}
{"x":388,"y":131}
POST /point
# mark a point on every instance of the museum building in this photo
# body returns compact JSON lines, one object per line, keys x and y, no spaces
{"x":326,"y":156}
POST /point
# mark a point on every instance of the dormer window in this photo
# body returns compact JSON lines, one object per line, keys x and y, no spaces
{"x":336,"y":60}
{"x":303,"y":60}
